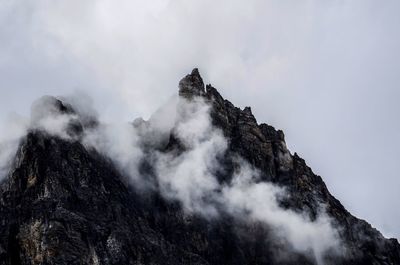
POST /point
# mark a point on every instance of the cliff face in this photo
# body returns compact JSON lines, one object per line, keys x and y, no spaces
{"x":64,"y":203}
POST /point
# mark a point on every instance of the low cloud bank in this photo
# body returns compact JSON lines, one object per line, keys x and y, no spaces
{"x":186,"y":174}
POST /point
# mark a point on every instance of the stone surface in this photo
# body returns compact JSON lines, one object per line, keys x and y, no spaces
{"x":64,"y":204}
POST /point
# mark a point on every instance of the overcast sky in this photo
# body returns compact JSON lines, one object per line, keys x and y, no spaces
{"x":326,"y":72}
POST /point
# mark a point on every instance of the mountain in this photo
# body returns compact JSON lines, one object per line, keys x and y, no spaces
{"x":68,"y":201}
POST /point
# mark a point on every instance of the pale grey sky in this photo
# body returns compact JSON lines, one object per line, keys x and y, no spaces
{"x":326,"y":72}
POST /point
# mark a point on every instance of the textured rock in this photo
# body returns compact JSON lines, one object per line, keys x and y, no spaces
{"x":64,"y":204}
{"x":192,"y":85}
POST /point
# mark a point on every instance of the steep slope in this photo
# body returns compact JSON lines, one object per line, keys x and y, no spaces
{"x":265,"y":148}
{"x":65,"y":203}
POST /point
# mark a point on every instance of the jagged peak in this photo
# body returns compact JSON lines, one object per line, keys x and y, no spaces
{"x":247,"y":110}
{"x":54,"y":113}
{"x":195,"y":71}
{"x":49,"y":105}
{"x":56,"y":117}
{"x":192,"y":85}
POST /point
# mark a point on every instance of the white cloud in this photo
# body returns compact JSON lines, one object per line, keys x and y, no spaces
{"x":259,"y":201}
{"x":190,"y":176}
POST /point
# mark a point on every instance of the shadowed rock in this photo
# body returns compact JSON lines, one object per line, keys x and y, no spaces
{"x":191,"y":85}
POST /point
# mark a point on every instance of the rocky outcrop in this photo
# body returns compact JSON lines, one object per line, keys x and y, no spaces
{"x":65,"y":204}
{"x":192,"y":85}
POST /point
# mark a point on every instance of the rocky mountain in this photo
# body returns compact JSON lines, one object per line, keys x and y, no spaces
{"x":64,"y":202}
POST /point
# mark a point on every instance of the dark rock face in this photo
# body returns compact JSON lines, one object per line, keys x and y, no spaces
{"x":65,"y":204}
{"x":192,"y":85}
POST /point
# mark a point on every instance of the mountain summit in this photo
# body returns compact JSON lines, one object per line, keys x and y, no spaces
{"x":200,"y":182}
